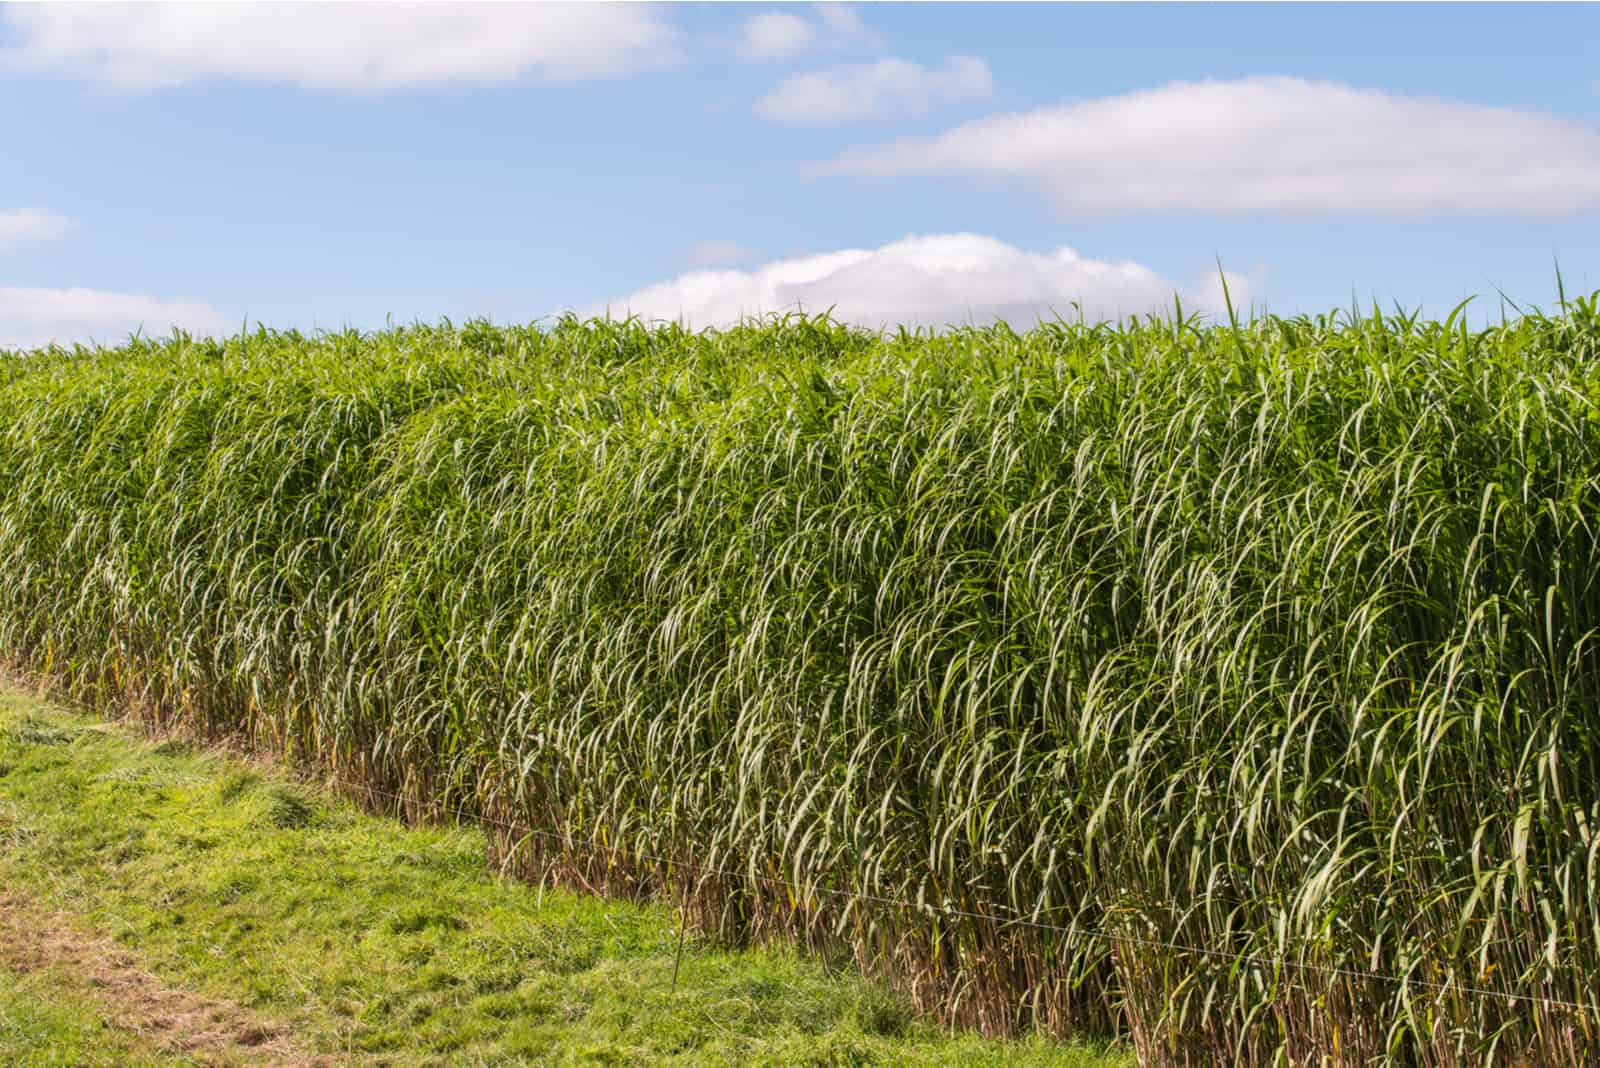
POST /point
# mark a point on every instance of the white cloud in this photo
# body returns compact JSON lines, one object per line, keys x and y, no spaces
{"x":887,"y":88}
{"x":31,"y":224}
{"x":937,"y":280}
{"x":363,"y":47}
{"x":31,"y":318}
{"x":715,"y":253}
{"x":775,"y":35}
{"x":1268,"y":144}
{"x":778,"y":35}
{"x":845,"y":25}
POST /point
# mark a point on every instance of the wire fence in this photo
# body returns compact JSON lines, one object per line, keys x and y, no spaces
{"x":1017,"y":919}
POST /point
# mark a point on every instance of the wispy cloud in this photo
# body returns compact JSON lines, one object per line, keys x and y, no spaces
{"x":936,"y":280}
{"x":31,"y":318}
{"x":779,"y":35}
{"x":1269,"y":144}
{"x":887,"y":88}
{"x":845,"y":25}
{"x":718,"y":253}
{"x":31,"y":224}
{"x":359,"y":47}
{"x":775,"y":35}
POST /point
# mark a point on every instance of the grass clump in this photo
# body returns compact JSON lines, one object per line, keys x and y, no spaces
{"x":1062,"y":677}
{"x":37,"y":732}
{"x":287,"y":809}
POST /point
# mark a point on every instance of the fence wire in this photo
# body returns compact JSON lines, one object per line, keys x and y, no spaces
{"x":1017,"y":919}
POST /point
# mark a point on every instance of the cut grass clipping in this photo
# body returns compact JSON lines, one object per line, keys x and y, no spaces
{"x":166,"y":907}
{"x":1229,"y":687}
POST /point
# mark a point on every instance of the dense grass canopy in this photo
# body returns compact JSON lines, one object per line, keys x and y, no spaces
{"x":1232,"y":687}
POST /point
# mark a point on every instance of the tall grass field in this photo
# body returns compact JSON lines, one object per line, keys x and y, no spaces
{"x":1232,"y":688}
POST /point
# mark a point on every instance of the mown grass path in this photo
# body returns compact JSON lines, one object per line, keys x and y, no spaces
{"x":165,"y":905}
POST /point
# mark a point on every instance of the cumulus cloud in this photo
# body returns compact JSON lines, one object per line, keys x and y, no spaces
{"x":936,"y":280}
{"x":715,"y":253}
{"x":31,"y":224}
{"x":32,"y":318}
{"x":362,"y":47}
{"x":775,"y":35}
{"x":887,"y":88}
{"x":1272,"y":144}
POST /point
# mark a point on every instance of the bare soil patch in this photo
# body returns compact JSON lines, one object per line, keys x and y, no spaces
{"x":163,"y":1016}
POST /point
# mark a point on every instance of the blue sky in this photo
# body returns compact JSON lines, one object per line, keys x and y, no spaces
{"x":318,"y":166}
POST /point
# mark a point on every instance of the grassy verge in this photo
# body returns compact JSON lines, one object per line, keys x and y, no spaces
{"x":363,"y":941}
